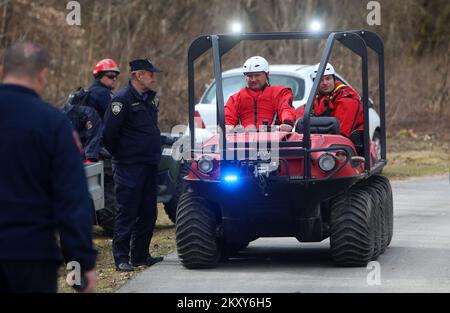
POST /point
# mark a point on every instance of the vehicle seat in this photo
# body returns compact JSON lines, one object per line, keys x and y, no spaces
{"x":357,"y":137}
{"x":319,"y":125}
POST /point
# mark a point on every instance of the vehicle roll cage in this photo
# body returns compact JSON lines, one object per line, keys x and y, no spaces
{"x":355,"y":40}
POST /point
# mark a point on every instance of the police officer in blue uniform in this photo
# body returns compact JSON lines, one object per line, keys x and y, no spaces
{"x":43,"y":190}
{"x":106,"y":73}
{"x":132,"y":136}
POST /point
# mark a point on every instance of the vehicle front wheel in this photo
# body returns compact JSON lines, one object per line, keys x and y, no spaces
{"x":353,"y":228}
{"x":197,"y":244}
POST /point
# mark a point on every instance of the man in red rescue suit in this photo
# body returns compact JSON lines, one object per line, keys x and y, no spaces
{"x":259,"y":102}
{"x":338,"y":100}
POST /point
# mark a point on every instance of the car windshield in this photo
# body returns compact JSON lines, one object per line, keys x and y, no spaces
{"x":232,"y":84}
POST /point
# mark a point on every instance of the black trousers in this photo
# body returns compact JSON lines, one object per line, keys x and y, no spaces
{"x":136,"y":192}
{"x":28,"y":277}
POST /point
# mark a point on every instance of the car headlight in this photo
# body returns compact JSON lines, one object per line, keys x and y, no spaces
{"x":205,"y":165}
{"x":327,"y":162}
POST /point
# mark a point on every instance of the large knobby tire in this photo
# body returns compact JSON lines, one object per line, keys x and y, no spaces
{"x":377,"y":197}
{"x":197,"y":244}
{"x":388,"y":207}
{"x":171,"y":206}
{"x":107,"y":215}
{"x":353,"y":228}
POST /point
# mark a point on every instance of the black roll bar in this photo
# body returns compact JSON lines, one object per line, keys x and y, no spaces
{"x":355,"y":40}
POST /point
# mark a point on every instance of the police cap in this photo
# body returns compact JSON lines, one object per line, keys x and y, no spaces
{"x":143,"y":65}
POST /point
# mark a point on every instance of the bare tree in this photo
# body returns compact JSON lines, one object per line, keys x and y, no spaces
{"x":415,"y":33}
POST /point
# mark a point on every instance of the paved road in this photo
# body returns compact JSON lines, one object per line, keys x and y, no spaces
{"x":418,"y":259}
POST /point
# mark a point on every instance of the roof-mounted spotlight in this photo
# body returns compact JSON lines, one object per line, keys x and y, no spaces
{"x":315,"y":26}
{"x":236,"y":27}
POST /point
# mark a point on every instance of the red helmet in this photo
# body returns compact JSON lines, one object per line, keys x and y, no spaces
{"x":106,"y":65}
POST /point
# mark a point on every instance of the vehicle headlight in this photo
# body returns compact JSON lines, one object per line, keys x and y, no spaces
{"x":327,"y":162}
{"x":205,"y":165}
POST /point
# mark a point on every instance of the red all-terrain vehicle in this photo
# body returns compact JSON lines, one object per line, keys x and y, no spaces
{"x":311,"y":184}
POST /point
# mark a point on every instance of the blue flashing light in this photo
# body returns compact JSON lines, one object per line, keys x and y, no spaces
{"x":230,"y":178}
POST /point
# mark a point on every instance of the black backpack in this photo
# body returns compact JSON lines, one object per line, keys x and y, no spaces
{"x":78,"y":97}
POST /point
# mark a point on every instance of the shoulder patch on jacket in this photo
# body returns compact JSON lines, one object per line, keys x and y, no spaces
{"x":116,"y":107}
{"x":155,"y":102}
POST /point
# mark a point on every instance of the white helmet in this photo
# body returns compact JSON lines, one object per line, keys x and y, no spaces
{"x":255,"y":64}
{"x":329,"y":70}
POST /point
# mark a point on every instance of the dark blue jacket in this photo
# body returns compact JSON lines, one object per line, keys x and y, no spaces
{"x":99,"y":97}
{"x":43,"y":190}
{"x":131,"y":132}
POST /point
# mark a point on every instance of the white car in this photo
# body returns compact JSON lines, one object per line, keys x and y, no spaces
{"x":295,"y":76}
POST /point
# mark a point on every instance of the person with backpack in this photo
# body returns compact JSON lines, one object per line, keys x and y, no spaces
{"x":86,"y":108}
{"x":105,"y":73}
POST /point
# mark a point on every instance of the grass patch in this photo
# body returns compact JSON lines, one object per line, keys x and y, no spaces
{"x":108,"y":279}
{"x":413,"y":154}
{"x":417,"y":163}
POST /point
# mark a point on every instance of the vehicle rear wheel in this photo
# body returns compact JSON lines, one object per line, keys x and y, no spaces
{"x":197,"y":244}
{"x":353,"y":227}
{"x":383,"y":183}
{"x":377,"y":196}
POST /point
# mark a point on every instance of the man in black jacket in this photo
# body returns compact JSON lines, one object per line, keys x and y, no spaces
{"x":43,"y":190}
{"x":132,"y":136}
